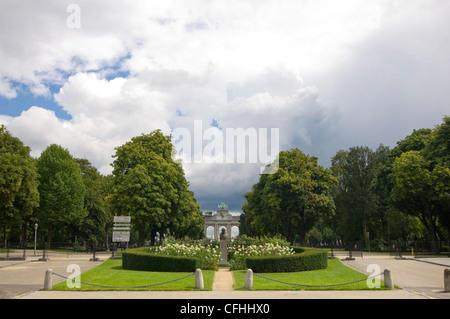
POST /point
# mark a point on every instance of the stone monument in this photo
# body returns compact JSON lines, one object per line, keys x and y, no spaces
{"x":223,"y":249}
{"x":222,"y":218}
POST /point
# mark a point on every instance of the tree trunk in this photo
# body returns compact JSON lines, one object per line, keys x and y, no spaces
{"x":106,"y":238}
{"x":364,"y":226}
{"x":24,"y":234}
{"x":49,"y":234}
{"x":141,"y":238}
{"x":5,"y":242}
{"x":152,"y":239}
{"x":432,"y":231}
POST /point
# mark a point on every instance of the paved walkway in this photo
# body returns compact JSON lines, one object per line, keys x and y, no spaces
{"x":422,"y":276}
{"x":223,"y":280}
{"x":420,"y":280}
{"x":390,"y":294}
{"x":19,"y":278}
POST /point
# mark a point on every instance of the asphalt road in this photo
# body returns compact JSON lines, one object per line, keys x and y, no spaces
{"x":20,"y":278}
{"x":422,"y":276}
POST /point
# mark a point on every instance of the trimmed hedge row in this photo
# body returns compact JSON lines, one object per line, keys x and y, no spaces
{"x":144,"y":259}
{"x":304,"y":259}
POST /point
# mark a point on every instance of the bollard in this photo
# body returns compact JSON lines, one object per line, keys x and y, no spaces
{"x":199,"y":279}
{"x":447,"y":280}
{"x":388,"y":282}
{"x":48,"y":280}
{"x":248,"y":279}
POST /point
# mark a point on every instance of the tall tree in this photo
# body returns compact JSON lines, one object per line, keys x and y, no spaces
{"x":421,"y":175}
{"x":437,"y":151}
{"x":356,"y":199}
{"x":150,"y":187}
{"x":413,"y":190}
{"x":61,"y":190}
{"x":98,"y":214}
{"x":18,"y":182}
{"x":293,"y":199}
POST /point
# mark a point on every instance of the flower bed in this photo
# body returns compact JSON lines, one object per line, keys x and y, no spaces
{"x":240,"y":253}
{"x":209,"y":254}
{"x":273,"y":254}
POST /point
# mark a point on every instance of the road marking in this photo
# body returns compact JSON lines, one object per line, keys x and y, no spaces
{"x":419,"y":293}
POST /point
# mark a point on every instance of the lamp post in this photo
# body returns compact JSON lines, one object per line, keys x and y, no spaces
{"x":35,"y":232}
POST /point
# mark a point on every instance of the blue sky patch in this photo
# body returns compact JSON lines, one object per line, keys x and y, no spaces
{"x":214,"y":123}
{"x":25,"y":100}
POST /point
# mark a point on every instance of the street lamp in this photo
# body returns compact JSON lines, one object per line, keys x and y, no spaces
{"x":35,"y":232}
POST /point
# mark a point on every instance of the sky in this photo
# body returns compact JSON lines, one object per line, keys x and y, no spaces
{"x":327,"y":74}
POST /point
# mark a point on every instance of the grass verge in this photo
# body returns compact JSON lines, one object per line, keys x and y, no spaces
{"x":335,"y":273}
{"x":110,"y":273}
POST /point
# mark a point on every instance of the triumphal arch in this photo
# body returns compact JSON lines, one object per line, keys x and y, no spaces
{"x":221,"y":219}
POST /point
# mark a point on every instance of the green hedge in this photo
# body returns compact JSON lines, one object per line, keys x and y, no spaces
{"x":304,"y":259}
{"x":144,"y":259}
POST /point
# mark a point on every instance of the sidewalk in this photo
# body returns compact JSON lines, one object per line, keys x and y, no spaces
{"x":423,"y":276}
{"x":385,"y":294}
{"x":223,"y":280}
{"x":23,"y":277}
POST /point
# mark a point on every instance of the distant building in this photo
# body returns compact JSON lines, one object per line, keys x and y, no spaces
{"x":222,"y":218}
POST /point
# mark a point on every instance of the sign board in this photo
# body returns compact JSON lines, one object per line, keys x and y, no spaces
{"x":121,"y":236}
{"x":121,"y":229}
{"x":122,"y":219}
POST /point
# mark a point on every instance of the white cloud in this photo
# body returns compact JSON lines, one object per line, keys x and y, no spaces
{"x":6,"y":90}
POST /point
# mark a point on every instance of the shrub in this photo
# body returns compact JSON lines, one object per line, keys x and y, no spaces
{"x":309,"y":259}
{"x":145,"y":259}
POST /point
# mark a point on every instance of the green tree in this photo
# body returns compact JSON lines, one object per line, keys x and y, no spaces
{"x":98,"y":187}
{"x":293,"y":199}
{"x":18,"y":183}
{"x":413,"y":190}
{"x":437,"y":151}
{"x":356,"y":199}
{"x":61,"y":190}
{"x":151,"y":188}
{"x":416,"y":141}
{"x":420,"y":177}
{"x":403,"y":227}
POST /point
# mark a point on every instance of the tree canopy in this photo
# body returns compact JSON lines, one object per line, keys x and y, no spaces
{"x":292,"y":200}
{"x":19,"y":194}
{"x":151,"y":188}
{"x":421,"y":179}
{"x":61,"y":190}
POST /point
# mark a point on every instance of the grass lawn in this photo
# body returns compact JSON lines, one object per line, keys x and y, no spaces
{"x":335,"y":273}
{"x":110,"y":273}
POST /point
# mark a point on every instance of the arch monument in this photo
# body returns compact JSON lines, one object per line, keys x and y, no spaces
{"x":221,"y":219}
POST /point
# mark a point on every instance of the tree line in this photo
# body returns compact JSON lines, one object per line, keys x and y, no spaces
{"x":70,"y":200}
{"x":370,"y":196}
